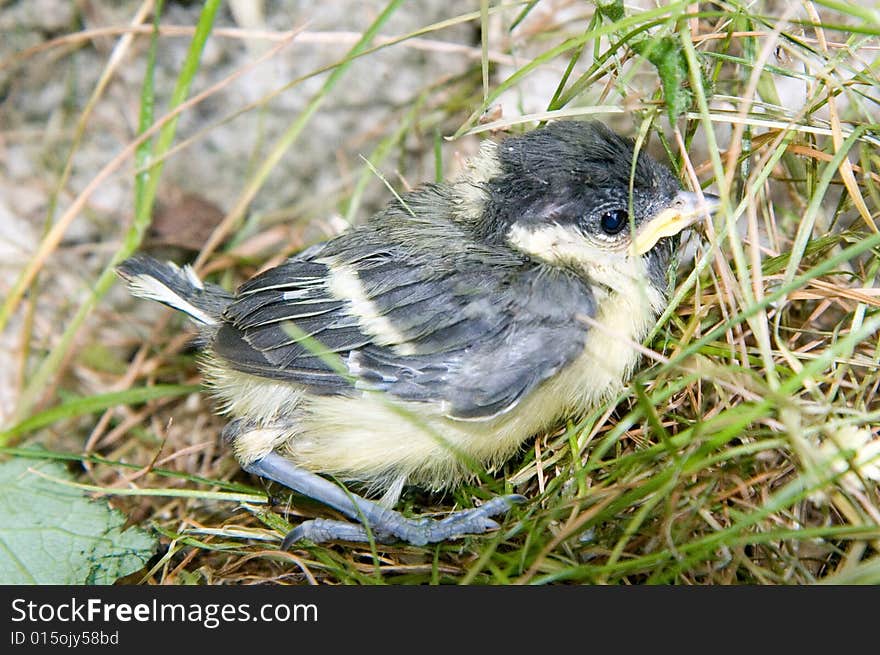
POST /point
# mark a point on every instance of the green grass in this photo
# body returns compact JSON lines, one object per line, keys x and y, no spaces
{"x":713,"y":467}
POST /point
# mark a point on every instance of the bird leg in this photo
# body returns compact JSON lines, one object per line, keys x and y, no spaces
{"x":386,"y":525}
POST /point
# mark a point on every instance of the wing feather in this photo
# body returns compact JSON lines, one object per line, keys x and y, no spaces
{"x":474,"y":337}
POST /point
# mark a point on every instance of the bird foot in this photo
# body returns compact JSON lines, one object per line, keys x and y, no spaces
{"x":396,"y":527}
{"x":385,"y":524}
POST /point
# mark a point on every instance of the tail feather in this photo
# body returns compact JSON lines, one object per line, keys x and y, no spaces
{"x":174,"y":286}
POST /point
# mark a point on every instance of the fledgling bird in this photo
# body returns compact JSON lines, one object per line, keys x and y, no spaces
{"x":446,"y":330}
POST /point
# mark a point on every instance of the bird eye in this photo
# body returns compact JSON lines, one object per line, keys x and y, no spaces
{"x":613,"y":221}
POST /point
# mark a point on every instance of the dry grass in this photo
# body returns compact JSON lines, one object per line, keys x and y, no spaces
{"x":719,"y":463}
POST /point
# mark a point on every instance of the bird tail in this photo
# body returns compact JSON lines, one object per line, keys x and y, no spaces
{"x":176,"y":287}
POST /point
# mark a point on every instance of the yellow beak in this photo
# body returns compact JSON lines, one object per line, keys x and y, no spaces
{"x":684,"y":211}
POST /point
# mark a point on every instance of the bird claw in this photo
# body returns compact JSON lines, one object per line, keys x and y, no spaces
{"x":320,"y":530}
{"x":396,"y":527}
{"x":385,"y":525}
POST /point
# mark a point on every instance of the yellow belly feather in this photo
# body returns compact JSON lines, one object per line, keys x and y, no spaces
{"x":377,"y":440}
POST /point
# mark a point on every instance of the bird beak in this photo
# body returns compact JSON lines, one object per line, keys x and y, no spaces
{"x":684,"y":211}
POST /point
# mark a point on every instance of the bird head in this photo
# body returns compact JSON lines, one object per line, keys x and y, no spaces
{"x":568,"y":194}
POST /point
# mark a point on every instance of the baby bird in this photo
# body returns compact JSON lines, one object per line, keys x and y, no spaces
{"x":445,"y":331}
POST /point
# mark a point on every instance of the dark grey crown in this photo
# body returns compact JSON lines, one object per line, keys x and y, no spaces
{"x":570,"y":173}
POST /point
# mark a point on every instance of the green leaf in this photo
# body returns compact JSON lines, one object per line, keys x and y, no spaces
{"x":667,"y":56}
{"x":613,"y":10}
{"x":51,"y":533}
{"x":817,"y":248}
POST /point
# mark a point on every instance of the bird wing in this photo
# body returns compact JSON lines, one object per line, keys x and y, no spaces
{"x":474,"y":330}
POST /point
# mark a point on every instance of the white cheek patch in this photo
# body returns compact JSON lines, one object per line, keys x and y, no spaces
{"x":556,"y":243}
{"x":611,"y":266}
{"x":343,"y":283}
